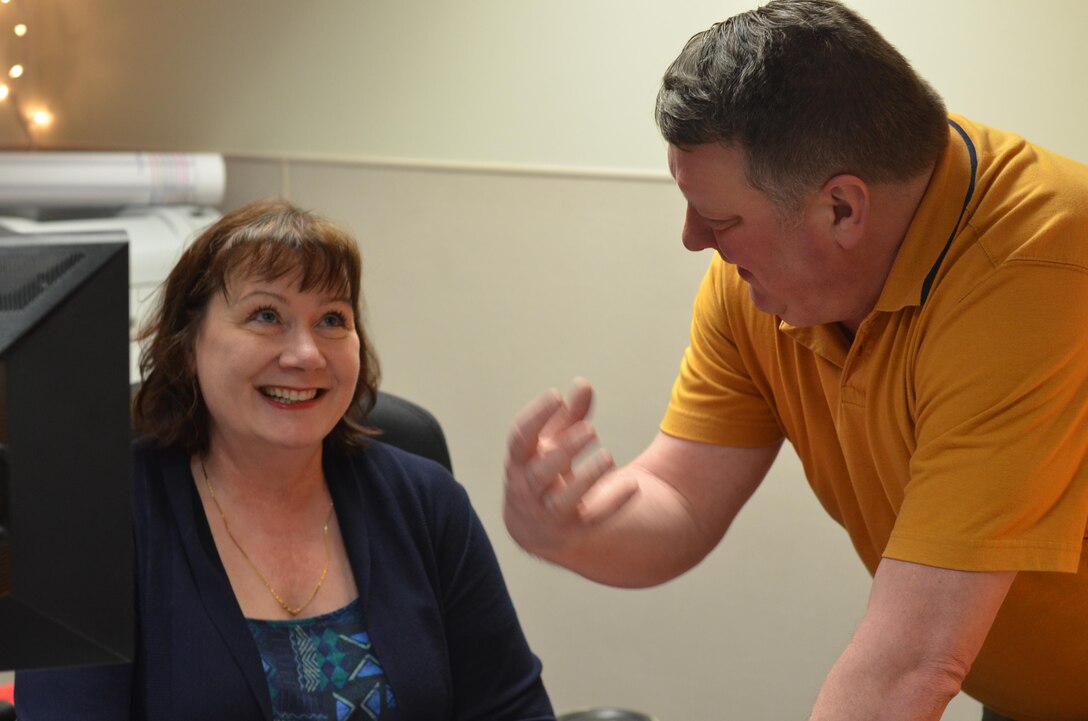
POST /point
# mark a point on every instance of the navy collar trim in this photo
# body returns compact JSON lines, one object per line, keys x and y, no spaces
{"x":927,"y":284}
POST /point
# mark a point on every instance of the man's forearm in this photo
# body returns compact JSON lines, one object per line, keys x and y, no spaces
{"x":869,"y":686}
{"x":651,"y":540}
{"x":910,"y":655}
{"x":637,"y":526}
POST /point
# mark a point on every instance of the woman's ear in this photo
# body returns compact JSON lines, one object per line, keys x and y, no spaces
{"x":848,"y":198}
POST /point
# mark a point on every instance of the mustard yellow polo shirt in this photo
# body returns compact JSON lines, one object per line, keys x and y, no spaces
{"x":953,"y":431}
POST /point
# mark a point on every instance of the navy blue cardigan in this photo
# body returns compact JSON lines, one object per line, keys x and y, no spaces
{"x":436,"y":606}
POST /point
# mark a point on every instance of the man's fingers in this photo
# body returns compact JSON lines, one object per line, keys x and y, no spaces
{"x":566,"y":499}
{"x":541,"y":473}
{"x":593,"y":496}
{"x":576,"y":408}
{"x":616,"y":494}
{"x":579,"y":399}
{"x":525,"y":433}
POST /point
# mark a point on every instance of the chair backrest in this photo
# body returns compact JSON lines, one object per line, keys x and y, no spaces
{"x":410,"y":427}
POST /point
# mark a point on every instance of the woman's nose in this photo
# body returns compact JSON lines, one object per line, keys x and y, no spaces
{"x":302,"y":351}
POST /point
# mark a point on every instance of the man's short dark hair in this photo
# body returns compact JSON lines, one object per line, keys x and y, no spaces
{"x":807,"y":89}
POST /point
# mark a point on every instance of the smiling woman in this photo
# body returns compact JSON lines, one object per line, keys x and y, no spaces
{"x":276,"y":366}
{"x":289,"y":565}
{"x":256,"y":252}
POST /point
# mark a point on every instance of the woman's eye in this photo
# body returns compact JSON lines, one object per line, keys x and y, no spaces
{"x":335,"y":319}
{"x":264,"y":315}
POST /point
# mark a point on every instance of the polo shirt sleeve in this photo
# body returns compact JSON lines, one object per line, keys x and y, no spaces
{"x":716,"y":399}
{"x":998,"y":480}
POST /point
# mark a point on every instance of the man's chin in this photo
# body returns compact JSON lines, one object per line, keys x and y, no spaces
{"x":766,"y":303}
{"x":772,"y":306}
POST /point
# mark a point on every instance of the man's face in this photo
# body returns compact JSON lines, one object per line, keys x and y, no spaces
{"x":793,"y":266}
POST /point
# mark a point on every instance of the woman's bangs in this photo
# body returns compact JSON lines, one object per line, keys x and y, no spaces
{"x":315,"y":265}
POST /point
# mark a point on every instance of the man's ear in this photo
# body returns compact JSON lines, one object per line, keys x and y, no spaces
{"x":848,"y":199}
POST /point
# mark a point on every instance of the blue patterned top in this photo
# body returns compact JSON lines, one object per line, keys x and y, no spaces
{"x":323,"y":668}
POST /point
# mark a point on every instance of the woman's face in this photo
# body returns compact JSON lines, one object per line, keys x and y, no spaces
{"x":277,"y":367}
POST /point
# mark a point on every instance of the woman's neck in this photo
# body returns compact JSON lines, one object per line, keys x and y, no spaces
{"x":283,"y":481}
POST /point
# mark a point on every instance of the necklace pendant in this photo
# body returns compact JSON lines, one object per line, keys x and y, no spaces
{"x":279,"y":599}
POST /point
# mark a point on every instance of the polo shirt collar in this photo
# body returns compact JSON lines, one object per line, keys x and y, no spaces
{"x":936,"y":223}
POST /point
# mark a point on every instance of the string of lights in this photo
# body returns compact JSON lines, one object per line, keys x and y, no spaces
{"x":14,"y":32}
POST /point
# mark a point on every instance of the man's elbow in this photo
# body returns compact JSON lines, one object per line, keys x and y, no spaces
{"x":937,"y":679}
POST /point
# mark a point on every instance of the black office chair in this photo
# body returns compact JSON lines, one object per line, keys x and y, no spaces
{"x":409,"y":427}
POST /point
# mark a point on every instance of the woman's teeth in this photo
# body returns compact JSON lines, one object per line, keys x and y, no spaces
{"x":287,"y":395}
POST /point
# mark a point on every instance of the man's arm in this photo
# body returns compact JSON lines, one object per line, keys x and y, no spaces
{"x":920,"y":634}
{"x":637,"y":526}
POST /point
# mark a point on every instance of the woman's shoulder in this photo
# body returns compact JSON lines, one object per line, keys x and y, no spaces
{"x":147,"y":449}
{"x":153,"y":460}
{"x":384,"y":464}
{"x":144,"y":450}
{"x":160,"y":480}
{"x":383,"y":476}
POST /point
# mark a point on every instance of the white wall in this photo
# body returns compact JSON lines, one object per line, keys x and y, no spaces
{"x":537,"y":82}
{"x":490,"y":277}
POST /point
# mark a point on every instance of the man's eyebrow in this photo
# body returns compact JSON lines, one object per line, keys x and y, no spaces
{"x":726,"y":218}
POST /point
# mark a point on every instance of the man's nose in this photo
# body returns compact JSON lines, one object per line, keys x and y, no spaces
{"x":697,"y":235}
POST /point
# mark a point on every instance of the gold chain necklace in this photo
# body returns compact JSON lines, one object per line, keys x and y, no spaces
{"x":291,"y":610}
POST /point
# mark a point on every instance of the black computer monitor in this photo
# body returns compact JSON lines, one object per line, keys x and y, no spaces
{"x":66,"y":546}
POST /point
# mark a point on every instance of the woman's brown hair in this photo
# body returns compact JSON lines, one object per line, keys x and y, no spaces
{"x":268,"y":239}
